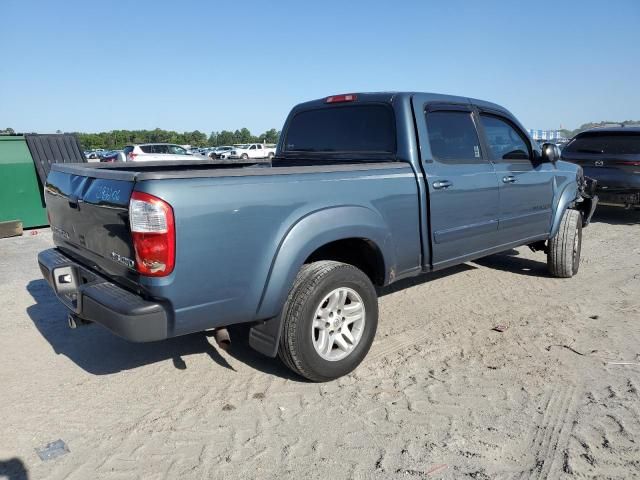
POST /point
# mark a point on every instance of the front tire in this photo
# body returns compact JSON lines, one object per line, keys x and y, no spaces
{"x":563,"y":257}
{"x":329,"y":321}
{"x":244,"y":156}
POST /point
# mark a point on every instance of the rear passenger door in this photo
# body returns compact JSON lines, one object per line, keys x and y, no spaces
{"x":526,"y":186}
{"x":463,"y":187}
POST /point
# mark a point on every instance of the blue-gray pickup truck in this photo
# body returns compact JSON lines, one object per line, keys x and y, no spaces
{"x":364,"y":190}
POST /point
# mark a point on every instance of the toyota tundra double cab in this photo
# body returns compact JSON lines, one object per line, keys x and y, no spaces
{"x":364,"y":190}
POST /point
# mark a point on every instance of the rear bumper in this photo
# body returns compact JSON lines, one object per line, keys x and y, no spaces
{"x":613,"y":179}
{"x":98,"y":300}
{"x":629,"y":198}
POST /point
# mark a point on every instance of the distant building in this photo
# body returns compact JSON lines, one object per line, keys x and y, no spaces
{"x":550,"y":135}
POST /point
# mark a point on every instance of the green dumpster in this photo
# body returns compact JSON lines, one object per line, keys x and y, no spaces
{"x":20,"y":189}
{"x":25,"y":162}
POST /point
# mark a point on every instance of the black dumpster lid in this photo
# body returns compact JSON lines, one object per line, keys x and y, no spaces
{"x":53,"y":148}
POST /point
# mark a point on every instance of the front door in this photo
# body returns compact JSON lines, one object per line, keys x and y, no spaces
{"x":526,"y":186}
{"x":463,"y":187}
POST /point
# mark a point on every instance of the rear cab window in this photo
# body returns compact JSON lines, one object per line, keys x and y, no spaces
{"x":354,"y":131}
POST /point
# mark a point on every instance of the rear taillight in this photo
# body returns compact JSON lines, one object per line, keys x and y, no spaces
{"x":631,"y":163}
{"x":154,"y":236}
{"x":348,"y":97}
{"x":131,"y":156}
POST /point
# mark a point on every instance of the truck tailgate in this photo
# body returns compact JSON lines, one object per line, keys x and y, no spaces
{"x":90,"y":221}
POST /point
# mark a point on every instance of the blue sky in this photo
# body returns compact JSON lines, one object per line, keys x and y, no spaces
{"x":210,"y":65}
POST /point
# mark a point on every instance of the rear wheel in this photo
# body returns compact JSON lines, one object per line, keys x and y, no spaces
{"x":330,"y":320}
{"x":270,"y":156}
{"x":563,"y":257}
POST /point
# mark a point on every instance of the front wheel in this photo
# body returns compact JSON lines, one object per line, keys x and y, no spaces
{"x":330,"y":320}
{"x":244,"y":156}
{"x":563,"y":257}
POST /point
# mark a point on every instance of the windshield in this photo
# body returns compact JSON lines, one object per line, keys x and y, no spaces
{"x":353,"y":128}
{"x":612,"y":143}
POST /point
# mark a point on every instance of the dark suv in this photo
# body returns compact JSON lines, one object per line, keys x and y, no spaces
{"x":612,"y":157}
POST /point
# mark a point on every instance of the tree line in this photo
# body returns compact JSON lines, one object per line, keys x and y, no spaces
{"x":117,"y":139}
{"x":586,"y":126}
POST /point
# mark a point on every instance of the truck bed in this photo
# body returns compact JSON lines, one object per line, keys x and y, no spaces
{"x":231,"y":222}
{"x":140,"y":171}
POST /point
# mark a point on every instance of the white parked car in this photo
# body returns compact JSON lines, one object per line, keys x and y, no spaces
{"x":149,"y":152}
{"x":221,"y":152}
{"x":253,"y":150}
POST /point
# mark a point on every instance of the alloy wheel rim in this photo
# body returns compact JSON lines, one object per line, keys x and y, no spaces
{"x":338,"y":324}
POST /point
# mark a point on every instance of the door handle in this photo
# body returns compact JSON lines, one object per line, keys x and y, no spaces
{"x":442,"y":184}
{"x":509,"y":179}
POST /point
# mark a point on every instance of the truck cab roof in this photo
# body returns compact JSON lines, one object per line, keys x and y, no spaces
{"x":390,"y":97}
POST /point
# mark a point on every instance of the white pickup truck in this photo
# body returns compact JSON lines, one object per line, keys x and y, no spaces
{"x":253,"y":150}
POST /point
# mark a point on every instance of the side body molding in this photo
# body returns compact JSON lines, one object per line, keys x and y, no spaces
{"x":307,"y":235}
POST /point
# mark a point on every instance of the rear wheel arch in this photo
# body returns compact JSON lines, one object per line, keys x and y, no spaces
{"x":362,"y":253}
{"x":314,"y":232}
{"x":318,"y":236}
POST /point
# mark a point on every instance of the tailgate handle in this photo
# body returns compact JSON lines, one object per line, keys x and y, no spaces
{"x":73,"y":201}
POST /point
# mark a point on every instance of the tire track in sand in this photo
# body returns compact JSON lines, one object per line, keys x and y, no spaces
{"x":394,"y":343}
{"x":552,"y":433}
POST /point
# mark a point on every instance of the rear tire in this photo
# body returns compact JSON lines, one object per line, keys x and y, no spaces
{"x":343,"y":293}
{"x":563,"y":258}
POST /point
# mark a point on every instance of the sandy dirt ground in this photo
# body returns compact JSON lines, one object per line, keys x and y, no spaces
{"x":441,"y":394}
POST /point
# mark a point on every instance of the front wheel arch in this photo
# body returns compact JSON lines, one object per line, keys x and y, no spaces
{"x":566,"y":200}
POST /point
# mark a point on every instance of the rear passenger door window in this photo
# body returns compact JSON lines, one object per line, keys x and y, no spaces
{"x":504,"y":140}
{"x":453,"y":137}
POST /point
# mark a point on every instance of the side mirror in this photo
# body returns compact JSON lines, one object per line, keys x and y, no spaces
{"x":550,"y":153}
